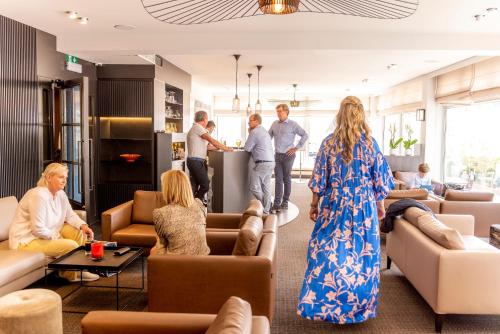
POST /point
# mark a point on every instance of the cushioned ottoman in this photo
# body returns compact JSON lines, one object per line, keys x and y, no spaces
{"x":31,"y":311}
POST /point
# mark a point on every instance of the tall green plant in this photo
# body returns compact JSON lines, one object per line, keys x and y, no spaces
{"x":393,"y":142}
{"x":408,"y":143}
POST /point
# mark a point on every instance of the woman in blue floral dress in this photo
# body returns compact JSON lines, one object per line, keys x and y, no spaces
{"x":352,"y":178}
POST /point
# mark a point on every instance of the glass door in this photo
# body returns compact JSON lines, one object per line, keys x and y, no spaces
{"x":75,"y":140}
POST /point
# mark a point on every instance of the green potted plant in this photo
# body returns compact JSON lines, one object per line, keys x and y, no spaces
{"x":409,"y":142}
{"x":393,"y":142}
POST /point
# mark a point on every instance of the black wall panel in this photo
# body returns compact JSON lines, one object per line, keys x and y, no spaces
{"x":129,"y":98}
{"x":19,"y":129}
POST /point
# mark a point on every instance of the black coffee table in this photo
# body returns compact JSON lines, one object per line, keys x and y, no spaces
{"x":79,"y":260}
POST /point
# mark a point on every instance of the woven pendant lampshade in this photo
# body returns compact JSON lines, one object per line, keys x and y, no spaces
{"x":279,"y":7}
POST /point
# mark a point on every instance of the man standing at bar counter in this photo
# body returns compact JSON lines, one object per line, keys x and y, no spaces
{"x":260,"y":146}
{"x":284,"y":131}
{"x":198,"y":139}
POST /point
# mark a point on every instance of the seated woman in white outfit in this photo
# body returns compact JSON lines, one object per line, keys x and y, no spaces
{"x":44,"y":221}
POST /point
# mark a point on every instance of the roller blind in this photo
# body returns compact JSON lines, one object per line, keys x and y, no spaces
{"x":474,"y":83}
{"x":403,"y":97}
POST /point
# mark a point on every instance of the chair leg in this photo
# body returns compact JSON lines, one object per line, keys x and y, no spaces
{"x":438,"y":322}
{"x":389,"y":262}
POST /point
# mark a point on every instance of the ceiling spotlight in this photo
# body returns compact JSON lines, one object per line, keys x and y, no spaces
{"x":83,"y":20}
{"x":124,"y":27}
{"x":478,"y":17}
{"x":364,"y":81}
{"x":491,"y":9}
{"x":72,"y":14}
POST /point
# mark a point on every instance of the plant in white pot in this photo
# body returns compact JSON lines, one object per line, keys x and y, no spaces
{"x":393,"y":142}
{"x":409,"y":142}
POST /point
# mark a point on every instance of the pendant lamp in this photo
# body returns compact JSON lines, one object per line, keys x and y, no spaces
{"x":249,"y":108}
{"x":258,"y":105}
{"x":236,"y":99}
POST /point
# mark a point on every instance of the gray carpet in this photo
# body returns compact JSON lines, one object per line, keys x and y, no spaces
{"x":401,"y":309}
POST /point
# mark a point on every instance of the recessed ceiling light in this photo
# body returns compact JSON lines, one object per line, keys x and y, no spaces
{"x":83,"y":20}
{"x":124,"y":27}
{"x":72,"y":14}
{"x":431,"y":61}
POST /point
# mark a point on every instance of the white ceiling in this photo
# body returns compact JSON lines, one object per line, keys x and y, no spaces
{"x":322,"y":53}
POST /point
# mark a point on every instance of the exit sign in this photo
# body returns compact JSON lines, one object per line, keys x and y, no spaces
{"x":71,"y":59}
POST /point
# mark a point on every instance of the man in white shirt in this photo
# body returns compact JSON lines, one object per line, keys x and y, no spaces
{"x":198,"y":139}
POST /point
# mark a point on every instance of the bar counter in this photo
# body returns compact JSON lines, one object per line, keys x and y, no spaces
{"x":229,"y":184}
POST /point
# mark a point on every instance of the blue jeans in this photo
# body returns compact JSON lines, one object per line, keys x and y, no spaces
{"x":283,"y":175}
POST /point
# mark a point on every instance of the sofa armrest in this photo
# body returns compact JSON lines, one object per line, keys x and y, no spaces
{"x":468,"y":282}
{"x":115,"y":219}
{"x":464,"y":224}
{"x":82,"y":214}
{"x":106,"y":322}
{"x":270,"y":223}
{"x":223,"y":220}
{"x":436,"y":198}
{"x":202,"y":284}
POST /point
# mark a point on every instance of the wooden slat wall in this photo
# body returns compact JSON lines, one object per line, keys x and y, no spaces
{"x":19,"y":128}
{"x":129,"y":98}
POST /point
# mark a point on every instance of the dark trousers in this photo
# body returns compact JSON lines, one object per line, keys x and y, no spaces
{"x":198,"y":175}
{"x":283,"y":175}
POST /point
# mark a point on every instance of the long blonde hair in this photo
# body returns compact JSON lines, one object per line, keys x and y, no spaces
{"x":351,"y":124}
{"x":51,"y":169}
{"x":176,"y":188}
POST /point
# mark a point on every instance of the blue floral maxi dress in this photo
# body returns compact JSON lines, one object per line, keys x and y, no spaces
{"x":341,"y":283}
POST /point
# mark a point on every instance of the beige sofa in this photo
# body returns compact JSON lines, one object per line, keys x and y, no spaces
{"x":451,"y":281}
{"x":479,"y":204}
{"x":17,"y":269}
{"x":420,"y":195}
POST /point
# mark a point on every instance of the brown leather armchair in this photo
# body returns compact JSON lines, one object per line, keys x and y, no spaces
{"x":131,"y":223}
{"x":106,"y":322}
{"x":201,"y":284}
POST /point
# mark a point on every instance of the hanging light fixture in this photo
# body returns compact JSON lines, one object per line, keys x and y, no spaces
{"x":186,"y":12}
{"x":249,"y":108}
{"x":258,"y":105}
{"x":236,"y":100}
{"x":279,"y":7}
{"x":294,"y":103}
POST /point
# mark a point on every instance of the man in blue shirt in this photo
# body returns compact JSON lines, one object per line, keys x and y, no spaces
{"x":260,"y":146}
{"x":284,"y":131}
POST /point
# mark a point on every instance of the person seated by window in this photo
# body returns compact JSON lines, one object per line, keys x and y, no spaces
{"x":422,"y":179}
{"x":44,"y":221}
{"x":181,"y":223}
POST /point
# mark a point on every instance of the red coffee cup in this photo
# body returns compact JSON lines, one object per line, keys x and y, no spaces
{"x":97,"y":250}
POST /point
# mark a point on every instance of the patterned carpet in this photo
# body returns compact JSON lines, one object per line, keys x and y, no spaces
{"x":401,"y":309}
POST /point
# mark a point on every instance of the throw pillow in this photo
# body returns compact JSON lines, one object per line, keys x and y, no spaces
{"x":440,"y":233}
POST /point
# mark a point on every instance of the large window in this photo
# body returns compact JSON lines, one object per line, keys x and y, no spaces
{"x":231,"y":128}
{"x":405,"y":126}
{"x":472,"y":150}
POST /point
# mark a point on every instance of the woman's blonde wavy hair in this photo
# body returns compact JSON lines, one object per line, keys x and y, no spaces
{"x":351,"y":124}
{"x":176,"y":188}
{"x":51,"y":169}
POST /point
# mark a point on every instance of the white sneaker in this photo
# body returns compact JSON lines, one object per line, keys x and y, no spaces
{"x":86,"y":277}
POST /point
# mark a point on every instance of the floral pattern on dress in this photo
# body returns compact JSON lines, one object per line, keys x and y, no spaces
{"x":342,"y":279}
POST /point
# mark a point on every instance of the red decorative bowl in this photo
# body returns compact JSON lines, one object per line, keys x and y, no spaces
{"x":130,"y":157}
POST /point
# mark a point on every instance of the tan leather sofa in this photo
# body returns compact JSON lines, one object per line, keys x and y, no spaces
{"x":17,"y":269}
{"x":131,"y":223}
{"x":106,"y":322}
{"x":420,"y":195}
{"x":451,"y":281}
{"x":234,"y":317}
{"x":478,"y":204}
{"x":404,"y":179}
{"x":201,"y":284}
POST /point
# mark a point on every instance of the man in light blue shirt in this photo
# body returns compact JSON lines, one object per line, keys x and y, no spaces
{"x":260,"y":146}
{"x":284,"y":131}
